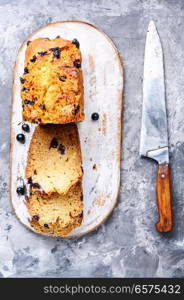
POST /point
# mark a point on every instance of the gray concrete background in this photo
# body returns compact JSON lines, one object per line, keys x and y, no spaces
{"x":127,"y":245}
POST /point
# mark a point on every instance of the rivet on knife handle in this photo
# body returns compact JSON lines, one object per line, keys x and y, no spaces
{"x":163,"y":192}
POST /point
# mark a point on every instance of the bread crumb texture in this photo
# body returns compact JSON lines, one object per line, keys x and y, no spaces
{"x":52,"y":83}
{"x":57,"y":214}
{"x":54,"y":163}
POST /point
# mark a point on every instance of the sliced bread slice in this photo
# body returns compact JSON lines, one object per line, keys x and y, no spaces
{"x":54,"y":159}
{"x":56,"y":214}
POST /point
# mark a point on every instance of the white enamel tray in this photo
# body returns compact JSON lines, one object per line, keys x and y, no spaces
{"x":100,"y":140}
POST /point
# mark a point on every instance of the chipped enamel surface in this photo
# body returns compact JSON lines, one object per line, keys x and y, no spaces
{"x":100,"y":140}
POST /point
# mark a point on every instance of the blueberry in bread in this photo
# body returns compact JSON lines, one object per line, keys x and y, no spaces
{"x":56,"y":214}
{"x":54,"y":159}
{"x":52,"y":82}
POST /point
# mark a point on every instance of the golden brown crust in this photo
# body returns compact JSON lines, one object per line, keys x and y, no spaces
{"x":43,"y":44}
{"x":54,"y":159}
{"x":52,"y":84}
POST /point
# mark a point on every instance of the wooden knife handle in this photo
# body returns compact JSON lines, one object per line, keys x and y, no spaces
{"x":163,"y":192}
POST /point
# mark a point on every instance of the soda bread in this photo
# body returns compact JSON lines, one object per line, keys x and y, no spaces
{"x":56,"y":214}
{"x":52,"y":83}
{"x":54,"y":159}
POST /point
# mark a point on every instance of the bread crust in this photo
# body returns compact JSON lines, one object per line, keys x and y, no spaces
{"x":52,"y":83}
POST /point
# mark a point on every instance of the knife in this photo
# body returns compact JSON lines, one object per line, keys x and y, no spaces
{"x":154,"y":135}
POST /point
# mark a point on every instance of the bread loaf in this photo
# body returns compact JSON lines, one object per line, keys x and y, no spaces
{"x":52,"y":83}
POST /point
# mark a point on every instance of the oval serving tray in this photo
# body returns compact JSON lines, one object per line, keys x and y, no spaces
{"x":100,"y":140}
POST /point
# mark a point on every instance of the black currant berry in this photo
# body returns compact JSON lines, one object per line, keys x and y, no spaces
{"x":20,"y":138}
{"x":95,"y":116}
{"x":20,"y":190}
{"x":25,"y":127}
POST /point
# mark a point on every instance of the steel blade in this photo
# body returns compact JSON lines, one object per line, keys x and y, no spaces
{"x":154,"y":136}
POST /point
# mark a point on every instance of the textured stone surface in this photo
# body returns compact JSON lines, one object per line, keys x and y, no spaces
{"x":127,"y":245}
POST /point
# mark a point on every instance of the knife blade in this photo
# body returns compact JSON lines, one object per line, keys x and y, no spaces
{"x":154,"y":133}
